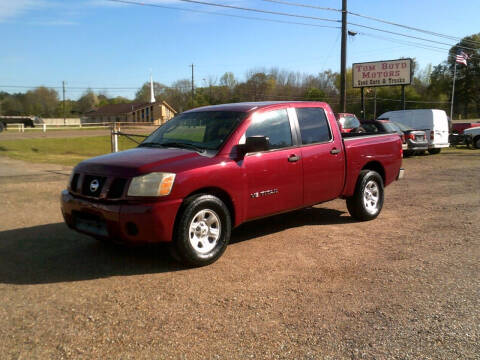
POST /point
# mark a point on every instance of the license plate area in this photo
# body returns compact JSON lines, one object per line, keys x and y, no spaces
{"x":90,"y":223}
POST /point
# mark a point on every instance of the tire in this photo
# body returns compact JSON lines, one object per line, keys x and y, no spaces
{"x":203,"y":230}
{"x":434,"y":151}
{"x":1,"y":126}
{"x":476,"y":142}
{"x":367,"y":201}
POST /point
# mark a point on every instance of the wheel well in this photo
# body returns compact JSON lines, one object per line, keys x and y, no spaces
{"x":376,"y":166}
{"x":221,"y":194}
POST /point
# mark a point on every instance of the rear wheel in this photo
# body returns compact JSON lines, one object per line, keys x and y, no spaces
{"x":476,"y":142}
{"x":203,"y":230}
{"x":434,"y":151}
{"x":367,"y":201}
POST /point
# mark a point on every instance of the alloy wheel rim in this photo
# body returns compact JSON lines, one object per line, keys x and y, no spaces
{"x":204,"y":231}
{"x":371,"y":196}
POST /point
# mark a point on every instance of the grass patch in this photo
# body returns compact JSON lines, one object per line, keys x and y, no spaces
{"x":66,"y":151}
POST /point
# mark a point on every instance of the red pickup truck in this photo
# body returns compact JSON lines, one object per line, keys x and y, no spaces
{"x":213,"y":168}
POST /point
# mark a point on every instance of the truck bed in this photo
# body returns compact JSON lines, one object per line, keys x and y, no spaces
{"x":374,"y":149}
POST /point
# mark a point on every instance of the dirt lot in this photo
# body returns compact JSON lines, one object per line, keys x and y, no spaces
{"x":311,"y":284}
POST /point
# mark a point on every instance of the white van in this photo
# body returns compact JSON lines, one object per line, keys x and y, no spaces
{"x":433,"y":122}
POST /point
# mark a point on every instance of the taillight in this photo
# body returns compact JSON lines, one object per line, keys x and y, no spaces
{"x":411,"y":136}
{"x":432,"y":135}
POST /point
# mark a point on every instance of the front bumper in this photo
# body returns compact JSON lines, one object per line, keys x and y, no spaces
{"x":130,"y":222}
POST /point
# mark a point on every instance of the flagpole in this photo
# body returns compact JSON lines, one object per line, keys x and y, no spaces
{"x":453,"y":91}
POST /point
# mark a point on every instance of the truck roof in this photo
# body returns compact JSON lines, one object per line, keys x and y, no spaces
{"x":249,"y":106}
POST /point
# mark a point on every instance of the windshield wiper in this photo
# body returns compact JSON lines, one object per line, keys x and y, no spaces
{"x":150,"y":144}
{"x":183,"y":145}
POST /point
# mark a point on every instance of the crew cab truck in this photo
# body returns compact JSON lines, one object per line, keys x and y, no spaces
{"x":213,"y":168}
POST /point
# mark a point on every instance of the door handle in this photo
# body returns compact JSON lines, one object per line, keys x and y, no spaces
{"x":335,"y":151}
{"x":293,"y":158}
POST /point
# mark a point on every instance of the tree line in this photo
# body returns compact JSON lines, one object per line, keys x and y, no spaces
{"x":431,"y":88}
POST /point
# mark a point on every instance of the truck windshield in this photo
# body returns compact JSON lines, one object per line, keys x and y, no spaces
{"x":199,"y":130}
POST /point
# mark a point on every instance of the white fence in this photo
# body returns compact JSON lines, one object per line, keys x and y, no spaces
{"x":20,"y":127}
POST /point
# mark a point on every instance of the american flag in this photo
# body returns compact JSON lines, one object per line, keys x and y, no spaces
{"x":462,"y":58}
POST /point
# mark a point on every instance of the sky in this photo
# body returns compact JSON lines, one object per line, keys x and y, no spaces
{"x":102,"y":44}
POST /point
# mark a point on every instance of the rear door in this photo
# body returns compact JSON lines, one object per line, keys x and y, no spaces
{"x":274,"y":177}
{"x":440,"y":129}
{"x":322,"y":155}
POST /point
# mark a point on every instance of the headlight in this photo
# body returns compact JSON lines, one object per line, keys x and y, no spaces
{"x":153,"y":184}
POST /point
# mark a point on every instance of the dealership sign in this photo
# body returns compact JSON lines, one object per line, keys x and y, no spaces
{"x":382,"y":73}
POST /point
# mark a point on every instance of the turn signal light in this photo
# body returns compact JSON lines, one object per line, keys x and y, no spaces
{"x":166,"y":185}
{"x":432,"y":135}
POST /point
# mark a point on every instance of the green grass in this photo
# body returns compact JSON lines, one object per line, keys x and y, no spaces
{"x":66,"y":151}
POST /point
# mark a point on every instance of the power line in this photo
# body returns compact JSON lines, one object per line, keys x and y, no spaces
{"x":408,"y":43}
{"x":303,"y":5}
{"x":404,"y":35}
{"x":429,"y":32}
{"x":232,"y":7}
{"x":450,"y":37}
{"x":228,"y":15}
{"x":281,"y":14}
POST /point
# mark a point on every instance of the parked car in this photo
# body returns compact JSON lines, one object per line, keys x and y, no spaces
{"x":416,"y":140}
{"x":382,"y":126}
{"x":213,"y":168}
{"x":347,"y":122}
{"x":433,"y":122}
{"x":459,"y":127}
{"x":474,"y":135}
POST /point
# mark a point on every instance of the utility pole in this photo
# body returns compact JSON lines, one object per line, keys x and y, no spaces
{"x":63,"y":88}
{"x":193,"y":86}
{"x":343,"y":60}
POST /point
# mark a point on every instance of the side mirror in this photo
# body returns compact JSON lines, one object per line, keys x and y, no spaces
{"x":256,"y":143}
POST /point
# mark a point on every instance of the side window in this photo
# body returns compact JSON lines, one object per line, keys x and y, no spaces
{"x":274,"y":125}
{"x":313,"y":125}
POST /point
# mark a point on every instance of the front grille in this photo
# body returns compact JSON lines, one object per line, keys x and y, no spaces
{"x":116,"y":188}
{"x":92,"y":185}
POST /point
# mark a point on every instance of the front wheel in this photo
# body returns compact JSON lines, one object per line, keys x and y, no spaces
{"x":367,"y":201}
{"x":434,"y":151}
{"x":203,"y":230}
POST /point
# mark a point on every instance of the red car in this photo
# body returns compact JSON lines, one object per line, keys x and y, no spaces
{"x":347,"y":122}
{"x":213,"y":168}
{"x":459,"y":127}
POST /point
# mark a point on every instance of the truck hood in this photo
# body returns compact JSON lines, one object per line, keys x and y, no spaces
{"x":136,"y":161}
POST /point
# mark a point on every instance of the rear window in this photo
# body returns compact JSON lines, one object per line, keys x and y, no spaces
{"x":390,"y":127}
{"x":349,"y":122}
{"x":402,"y":127}
{"x":313,"y":125}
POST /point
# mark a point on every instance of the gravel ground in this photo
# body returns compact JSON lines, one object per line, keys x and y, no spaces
{"x":312,"y":284}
